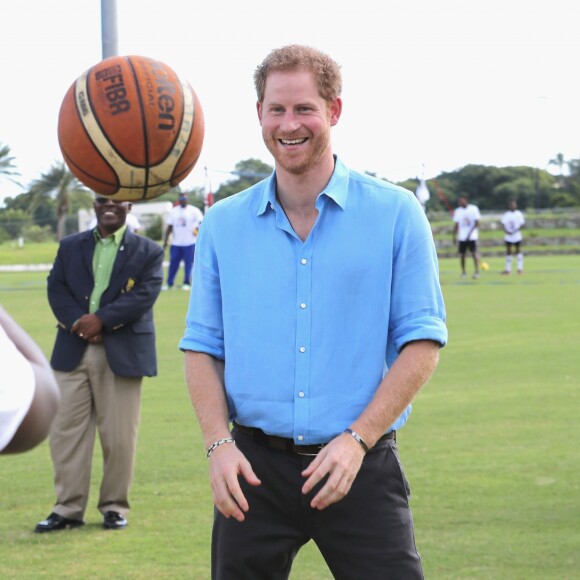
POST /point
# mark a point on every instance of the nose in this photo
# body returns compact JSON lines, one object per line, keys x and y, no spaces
{"x":290,"y":122}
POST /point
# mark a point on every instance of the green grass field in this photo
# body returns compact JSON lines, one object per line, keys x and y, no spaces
{"x":491,"y":449}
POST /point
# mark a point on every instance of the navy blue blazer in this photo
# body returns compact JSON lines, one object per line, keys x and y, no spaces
{"x":126,"y":307}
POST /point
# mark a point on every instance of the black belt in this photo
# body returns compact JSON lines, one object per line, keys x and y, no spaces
{"x":285,"y":444}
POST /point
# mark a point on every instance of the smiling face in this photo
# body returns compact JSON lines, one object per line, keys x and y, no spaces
{"x":296,"y":120}
{"x":111,"y":214}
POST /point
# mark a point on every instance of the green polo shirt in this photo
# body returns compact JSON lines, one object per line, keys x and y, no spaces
{"x":103,"y":261}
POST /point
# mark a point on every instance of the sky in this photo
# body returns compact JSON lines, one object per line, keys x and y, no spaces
{"x":428,"y":86}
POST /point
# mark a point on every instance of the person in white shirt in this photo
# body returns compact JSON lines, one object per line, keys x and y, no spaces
{"x":466,"y":229}
{"x":182,"y":225}
{"x":29,"y":394}
{"x":133,"y":224}
{"x":513,"y":221}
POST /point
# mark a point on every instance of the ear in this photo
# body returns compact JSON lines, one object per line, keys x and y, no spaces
{"x":259,"y":110}
{"x":335,"y":110}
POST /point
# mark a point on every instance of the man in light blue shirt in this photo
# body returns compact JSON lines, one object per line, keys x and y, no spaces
{"x":315,"y":317}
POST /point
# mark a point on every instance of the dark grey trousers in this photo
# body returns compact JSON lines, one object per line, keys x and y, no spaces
{"x":367,"y":535}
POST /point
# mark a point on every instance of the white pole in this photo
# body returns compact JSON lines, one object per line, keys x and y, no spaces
{"x":109,"y":28}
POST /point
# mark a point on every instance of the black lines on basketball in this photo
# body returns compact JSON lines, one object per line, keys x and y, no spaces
{"x":135,"y":131}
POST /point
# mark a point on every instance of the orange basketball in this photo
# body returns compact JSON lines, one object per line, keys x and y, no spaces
{"x":129,"y":128}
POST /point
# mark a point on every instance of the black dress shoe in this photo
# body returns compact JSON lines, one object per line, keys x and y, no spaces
{"x":114,"y":521}
{"x":56,"y":522}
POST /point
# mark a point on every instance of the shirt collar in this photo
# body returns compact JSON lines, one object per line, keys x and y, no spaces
{"x":336,"y":189}
{"x":117,"y":236}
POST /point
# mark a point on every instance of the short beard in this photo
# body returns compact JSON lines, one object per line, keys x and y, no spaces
{"x":305,"y":164}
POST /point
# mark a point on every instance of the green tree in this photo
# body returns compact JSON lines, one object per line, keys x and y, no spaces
{"x":194,"y":196}
{"x":13,"y":221}
{"x":43,"y":214}
{"x":247,"y":172}
{"x":522,"y":189}
{"x":60,"y":186}
{"x":490,"y":187}
{"x":568,"y":192}
{"x":560,"y":163}
{"x":7,"y":167}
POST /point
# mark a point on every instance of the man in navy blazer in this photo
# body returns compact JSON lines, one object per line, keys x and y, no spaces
{"x":102,"y":288}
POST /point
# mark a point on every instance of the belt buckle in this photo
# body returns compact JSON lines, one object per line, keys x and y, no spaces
{"x":304,"y":454}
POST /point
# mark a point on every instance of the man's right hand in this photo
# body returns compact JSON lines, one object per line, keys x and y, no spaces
{"x":227,"y":463}
{"x":88,"y":327}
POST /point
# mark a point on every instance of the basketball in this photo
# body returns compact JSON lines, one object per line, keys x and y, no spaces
{"x":130,"y":129}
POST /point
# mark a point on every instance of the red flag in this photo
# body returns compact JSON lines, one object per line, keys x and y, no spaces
{"x":208,"y":197}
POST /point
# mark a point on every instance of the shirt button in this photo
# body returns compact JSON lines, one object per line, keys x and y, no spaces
{"x":303,"y":261}
{"x":301,"y":394}
{"x":302,"y":349}
{"x":303,"y":306}
{"x":300,"y":437}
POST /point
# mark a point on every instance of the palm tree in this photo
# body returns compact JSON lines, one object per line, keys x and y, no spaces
{"x":6,"y":164}
{"x":559,"y":162}
{"x":60,"y":184}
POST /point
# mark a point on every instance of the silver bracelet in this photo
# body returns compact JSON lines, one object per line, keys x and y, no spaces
{"x":358,"y":438}
{"x":215,"y":445}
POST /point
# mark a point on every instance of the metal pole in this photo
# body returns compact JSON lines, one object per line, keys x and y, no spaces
{"x":109,"y":28}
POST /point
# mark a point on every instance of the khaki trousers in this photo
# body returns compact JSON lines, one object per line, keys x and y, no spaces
{"x":93,"y":397}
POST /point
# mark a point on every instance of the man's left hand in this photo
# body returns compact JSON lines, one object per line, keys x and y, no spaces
{"x":341,"y":460}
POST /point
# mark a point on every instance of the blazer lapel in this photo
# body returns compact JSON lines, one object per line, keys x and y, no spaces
{"x":121,"y":260}
{"x":88,"y":251}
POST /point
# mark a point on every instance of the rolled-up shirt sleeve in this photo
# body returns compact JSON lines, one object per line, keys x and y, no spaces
{"x":204,"y":323}
{"x":417,"y":308}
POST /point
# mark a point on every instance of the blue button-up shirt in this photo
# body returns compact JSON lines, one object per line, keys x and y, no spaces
{"x":308,"y":329}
